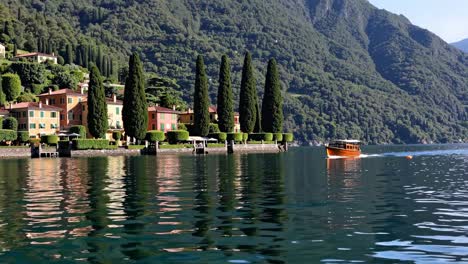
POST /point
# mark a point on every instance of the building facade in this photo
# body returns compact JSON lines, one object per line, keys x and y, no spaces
{"x":37,"y":57}
{"x":188,"y":117}
{"x":36,"y":118}
{"x":2,"y":51}
{"x":70,"y":103}
{"x":162,"y":119}
{"x":114,"y":113}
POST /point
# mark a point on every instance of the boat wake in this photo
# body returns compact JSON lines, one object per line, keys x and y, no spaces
{"x":446,"y":152}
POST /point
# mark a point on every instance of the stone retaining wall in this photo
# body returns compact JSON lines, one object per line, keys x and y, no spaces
{"x":104,"y":153}
{"x":262,"y":148}
{"x":15,"y":152}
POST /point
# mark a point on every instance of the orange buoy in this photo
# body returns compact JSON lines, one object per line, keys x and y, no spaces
{"x":409,"y":157}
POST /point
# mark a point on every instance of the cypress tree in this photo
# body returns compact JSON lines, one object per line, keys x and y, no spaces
{"x":2,"y":95}
{"x":135,"y":108}
{"x":201,"y":102}
{"x":69,"y":54}
{"x":97,"y":106}
{"x":248,"y":95}
{"x":225,"y":97}
{"x":258,"y":121}
{"x":272,"y":106}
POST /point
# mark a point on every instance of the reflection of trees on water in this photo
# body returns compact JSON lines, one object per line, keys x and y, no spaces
{"x":136,"y":198}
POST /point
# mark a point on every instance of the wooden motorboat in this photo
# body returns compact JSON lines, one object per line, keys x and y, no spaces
{"x":344,"y":148}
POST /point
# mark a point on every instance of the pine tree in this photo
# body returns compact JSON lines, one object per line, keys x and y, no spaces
{"x":225,"y":97}
{"x":272,"y":107}
{"x":134,"y":112}
{"x":97,"y":106}
{"x":201,"y":102}
{"x":69,"y":54}
{"x":248,"y":95}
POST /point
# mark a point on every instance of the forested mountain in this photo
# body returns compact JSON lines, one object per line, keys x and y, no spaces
{"x":348,"y":69}
{"x":463,"y":45}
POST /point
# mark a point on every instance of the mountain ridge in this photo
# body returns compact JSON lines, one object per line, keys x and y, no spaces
{"x":348,"y":69}
{"x":462,"y":45}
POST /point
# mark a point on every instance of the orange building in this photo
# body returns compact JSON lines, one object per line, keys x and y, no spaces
{"x":36,"y":118}
{"x":188,"y":117}
{"x":161,"y":118}
{"x":69,"y":101}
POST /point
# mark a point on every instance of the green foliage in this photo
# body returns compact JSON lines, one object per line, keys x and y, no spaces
{"x":23,"y":136}
{"x":30,"y":73}
{"x":7,"y":135}
{"x":51,"y":140}
{"x":245,"y":136}
{"x":214,"y":128}
{"x":11,"y":86}
{"x":220,"y":136}
{"x":272,"y":106}
{"x":261,"y":136}
{"x":27,"y":97}
{"x":117,"y":135}
{"x":86,"y":144}
{"x":258,"y":120}
{"x":237,"y":137}
{"x":278,"y":137}
{"x":225,"y":97}
{"x":139,"y":147}
{"x":81,"y":130}
{"x":10,"y":123}
{"x":177,"y":136}
{"x":134,"y":104}
{"x":288,"y":137}
{"x":248,"y":97}
{"x":155,"y":135}
{"x":181,"y":126}
{"x":2,"y":94}
{"x":164,"y":92}
{"x":97,"y":106}
{"x":201,"y":102}
{"x":35,"y":141}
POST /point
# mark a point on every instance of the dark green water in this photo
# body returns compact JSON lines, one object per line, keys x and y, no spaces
{"x":295,"y":207}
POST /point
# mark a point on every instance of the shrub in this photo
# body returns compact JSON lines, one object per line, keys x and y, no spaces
{"x":136,"y":146}
{"x":177,"y":136}
{"x":10,"y":123}
{"x":34,"y":141}
{"x":214,"y":128}
{"x":51,"y":140}
{"x":81,"y":130}
{"x":85,"y":144}
{"x":155,"y":135}
{"x":181,"y":127}
{"x":221,"y":136}
{"x":23,"y":136}
{"x":278,"y":137}
{"x":117,"y":135}
{"x":1,"y":119}
{"x":7,"y":135}
{"x":237,"y":137}
{"x":245,"y":136}
{"x":261,"y":136}
{"x":288,"y":137}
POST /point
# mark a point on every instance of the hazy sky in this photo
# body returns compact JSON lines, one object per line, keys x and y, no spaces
{"x":446,"y":18}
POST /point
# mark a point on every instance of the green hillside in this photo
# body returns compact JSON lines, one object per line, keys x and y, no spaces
{"x":348,"y":69}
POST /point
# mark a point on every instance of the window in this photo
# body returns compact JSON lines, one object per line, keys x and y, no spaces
{"x":153,"y":126}
{"x":174,"y":127}
{"x":25,"y":114}
{"x":79,"y":100}
{"x":53,"y":126}
{"x":31,"y":113}
{"x":117,"y":111}
{"x":84,"y":108}
{"x":162,"y":127}
{"x":174,"y":117}
{"x":53,"y":114}
{"x":52,"y":101}
{"x":62,"y":100}
{"x":42,"y":125}
{"x":118,"y":125}
{"x":81,"y":117}
{"x":42,"y":114}
{"x":161,"y":115}
{"x":32,"y":126}
{"x":191,"y":117}
{"x":152,"y":116}
{"x":61,"y":117}
{"x":70,"y":115}
{"x":70,"y":100}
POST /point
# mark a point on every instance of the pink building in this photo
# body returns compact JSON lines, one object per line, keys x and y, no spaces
{"x":161,"y":118}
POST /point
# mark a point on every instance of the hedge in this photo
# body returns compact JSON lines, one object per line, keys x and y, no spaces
{"x":84,"y":144}
{"x":155,"y":135}
{"x":221,"y":136}
{"x":51,"y":140}
{"x":288,"y":137}
{"x":81,"y":130}
{"x":136,"y":146}
{"x":237,"y":137}
{"x":177,"y":136}
{"x":8,"y":135}
{"x":35,"y":141}
{"x":10,"y":123}
{"x":117,"y":135}
{"x":278,"y":137}
{"x":23,"y":136}
{"x":261,"y":136}
{"x":214,"y":128}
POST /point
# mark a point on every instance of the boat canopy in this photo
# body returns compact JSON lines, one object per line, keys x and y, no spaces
{"x":347,"y":141}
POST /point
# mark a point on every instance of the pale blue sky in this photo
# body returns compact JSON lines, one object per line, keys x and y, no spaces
{"x":446,"y":18}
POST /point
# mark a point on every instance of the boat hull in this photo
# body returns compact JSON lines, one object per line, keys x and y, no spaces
{"x":337,"y":152}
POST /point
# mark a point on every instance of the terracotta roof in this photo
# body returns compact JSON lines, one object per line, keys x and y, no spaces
{"x":161,"y":109}
{"x":64,"y":91}
{"x":213,"y":109}
{"x":32,"y":54}
{"x":31,"y":105}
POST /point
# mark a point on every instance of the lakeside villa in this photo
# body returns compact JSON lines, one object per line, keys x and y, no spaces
{"x":37,"y":57}
{"x":188,"y":117}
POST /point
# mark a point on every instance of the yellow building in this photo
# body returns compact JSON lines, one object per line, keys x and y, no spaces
{"x":114,"y":113}
{"x":188,"y":117}
{"x":37,"y":57}
{"x":2,"y":51}
{"x":36,"y":118}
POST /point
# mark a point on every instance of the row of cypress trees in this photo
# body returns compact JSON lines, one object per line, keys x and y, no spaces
{"x":252,"y":119}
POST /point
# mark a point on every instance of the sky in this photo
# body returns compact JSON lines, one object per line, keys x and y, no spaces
{"x":446,"y":18}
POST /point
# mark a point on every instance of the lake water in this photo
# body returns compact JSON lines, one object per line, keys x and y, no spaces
{"x":295,"y":207}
